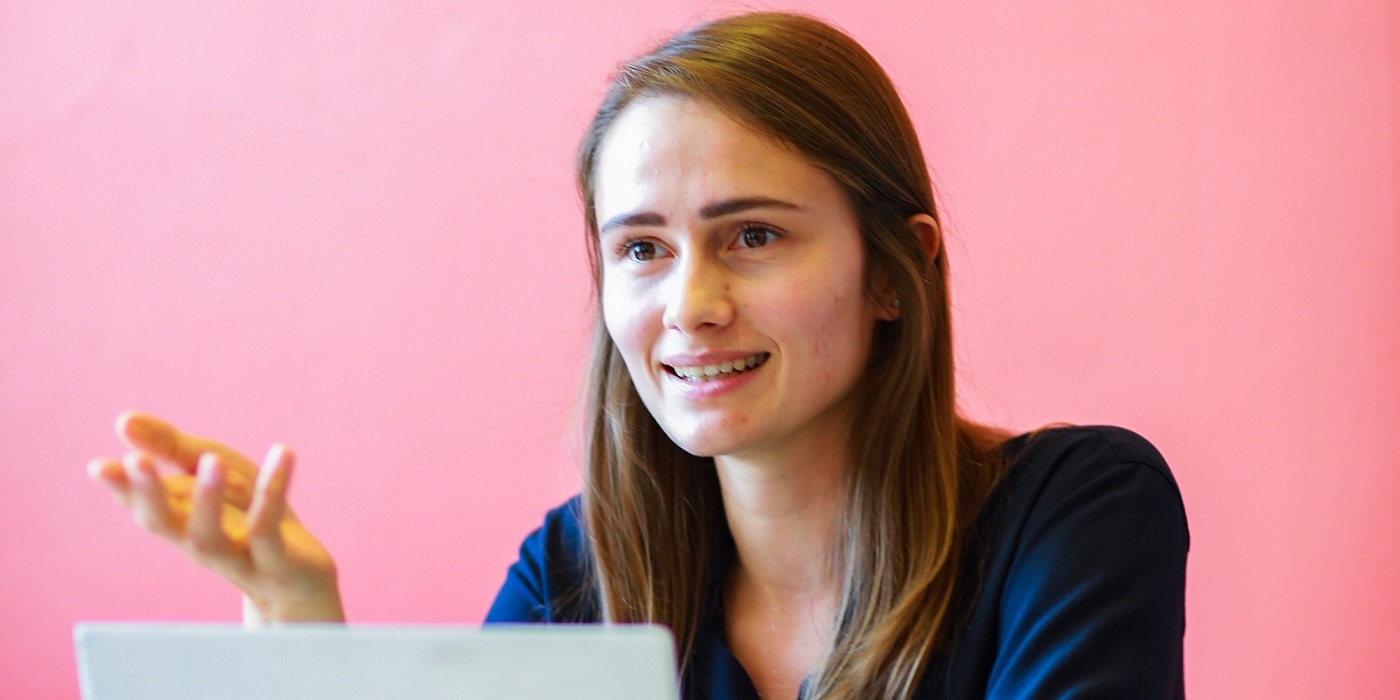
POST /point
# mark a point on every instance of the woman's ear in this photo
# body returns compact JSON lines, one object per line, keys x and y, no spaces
{"x":930,"y":236}
{"x":889,"y":310}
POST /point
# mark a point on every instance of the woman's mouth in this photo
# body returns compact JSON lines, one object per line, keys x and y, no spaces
{"x":704,"y":373}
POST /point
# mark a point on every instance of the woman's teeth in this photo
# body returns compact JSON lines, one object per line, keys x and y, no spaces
{"x":706,"y":372}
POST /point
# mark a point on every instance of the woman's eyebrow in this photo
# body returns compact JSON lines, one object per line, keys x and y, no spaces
{"x":733,"y":206}
{"x":713,"y":210}
{"x":636,"y":218}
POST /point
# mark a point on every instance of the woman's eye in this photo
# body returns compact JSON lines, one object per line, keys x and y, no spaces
{"x":640,"y":251}
{"x":756,"y":237}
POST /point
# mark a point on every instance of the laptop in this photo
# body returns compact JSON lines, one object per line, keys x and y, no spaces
{"x":118,"y":661}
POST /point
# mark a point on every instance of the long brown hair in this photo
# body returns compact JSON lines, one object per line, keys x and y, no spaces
{"x":653,"y":512}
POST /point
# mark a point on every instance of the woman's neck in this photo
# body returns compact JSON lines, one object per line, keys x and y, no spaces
{"x":782,"y":512}
{"x":782,"y":592}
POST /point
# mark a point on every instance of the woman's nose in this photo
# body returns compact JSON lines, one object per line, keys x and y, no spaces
{"x":698,"y":296}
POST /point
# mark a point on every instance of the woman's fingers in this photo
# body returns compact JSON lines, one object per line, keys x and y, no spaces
{"x":107,"y":471}
{"x":188,"y":511}
{"x":226,"y":513}
{"x":208,"y":540}
{"x":111,"y":474}
{"x":146,"y":433}
{"x":148,"y":500}
{"x":270,"y":504}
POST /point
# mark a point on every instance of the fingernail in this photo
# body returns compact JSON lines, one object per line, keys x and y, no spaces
{"x":97,"y":469}
{"x":278,"y":458}
{"x":136,"y":427}
{"x":136,"y":467}
{"x":208,"y":469}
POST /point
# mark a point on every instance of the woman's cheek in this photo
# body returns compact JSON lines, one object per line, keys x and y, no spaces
{"x":834,"y":329}
{"x":626,"y":315}
{"x":614,"y":315}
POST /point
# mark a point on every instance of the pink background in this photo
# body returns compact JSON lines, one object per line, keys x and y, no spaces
{"x":353,"y":229}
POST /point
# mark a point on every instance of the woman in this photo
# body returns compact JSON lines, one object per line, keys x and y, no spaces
{"x":776,"y":468}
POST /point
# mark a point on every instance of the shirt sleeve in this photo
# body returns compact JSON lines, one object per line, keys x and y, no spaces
{"x":1093,"y":603}
{"x":548,"y":583}
{"x":522,"y":596}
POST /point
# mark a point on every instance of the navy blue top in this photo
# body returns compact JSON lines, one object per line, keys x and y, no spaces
{"x":1079,"y":556}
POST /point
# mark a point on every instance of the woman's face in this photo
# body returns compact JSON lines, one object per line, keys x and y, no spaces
{"x":733,"y":281}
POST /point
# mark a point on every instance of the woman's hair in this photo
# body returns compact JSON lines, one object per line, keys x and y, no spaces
{"x":920,"y":472}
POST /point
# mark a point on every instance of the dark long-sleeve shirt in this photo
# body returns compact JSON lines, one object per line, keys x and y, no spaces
{"x":1079,"y":556}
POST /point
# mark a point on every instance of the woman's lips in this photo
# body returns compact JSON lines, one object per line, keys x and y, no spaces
{"x":708,"y":371}
{"x":706,"y":376}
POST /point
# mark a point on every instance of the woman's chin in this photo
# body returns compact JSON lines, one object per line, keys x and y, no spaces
{"x":708,"y":441}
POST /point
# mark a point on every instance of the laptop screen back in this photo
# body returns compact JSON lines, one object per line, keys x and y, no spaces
{"x":214,"y":662}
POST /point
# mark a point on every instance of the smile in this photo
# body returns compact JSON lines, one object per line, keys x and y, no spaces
{"x":707,"y":372}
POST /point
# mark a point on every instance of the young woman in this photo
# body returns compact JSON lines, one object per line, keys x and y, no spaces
{"x":776,"y":467}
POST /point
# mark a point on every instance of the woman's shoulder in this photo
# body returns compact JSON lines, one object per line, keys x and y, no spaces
{"x":1093,"y":445}
{"x":1080,"y":562}
{"x":559,"y":539}
{"x":565,"y":521}
{"x":549,"y":581}
{"x":1070,"y":457}
{"x":1075,"y":484}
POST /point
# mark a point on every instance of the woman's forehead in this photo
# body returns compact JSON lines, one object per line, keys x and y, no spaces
{"x":677,"y":151}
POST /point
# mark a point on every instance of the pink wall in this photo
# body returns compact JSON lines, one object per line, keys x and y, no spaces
{"x":355,"y":232}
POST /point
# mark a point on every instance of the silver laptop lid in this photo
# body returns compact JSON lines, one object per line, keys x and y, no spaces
{"x":363,"y":662}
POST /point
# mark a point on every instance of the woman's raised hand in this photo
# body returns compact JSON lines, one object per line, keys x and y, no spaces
{"x":226,"y":514}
